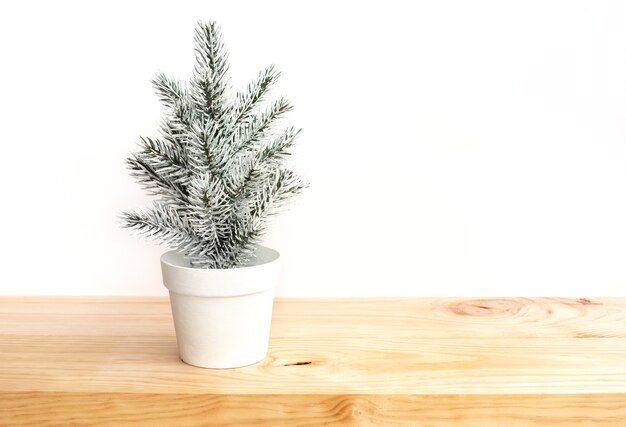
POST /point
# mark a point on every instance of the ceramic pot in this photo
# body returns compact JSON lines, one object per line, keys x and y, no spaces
{"x":222,"y":317}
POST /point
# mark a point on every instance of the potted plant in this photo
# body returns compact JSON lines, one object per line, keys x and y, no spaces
{"x":218,"y":171}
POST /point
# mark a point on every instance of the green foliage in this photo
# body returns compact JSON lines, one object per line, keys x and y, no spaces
{"x":218,"y":169}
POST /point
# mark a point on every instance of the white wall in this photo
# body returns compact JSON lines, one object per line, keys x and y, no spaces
{"x":453,"y":147}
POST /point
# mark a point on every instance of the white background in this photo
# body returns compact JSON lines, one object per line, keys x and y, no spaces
{"x":453,"y":148}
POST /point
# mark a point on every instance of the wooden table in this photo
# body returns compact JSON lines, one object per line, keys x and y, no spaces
{"x":419,"y":362}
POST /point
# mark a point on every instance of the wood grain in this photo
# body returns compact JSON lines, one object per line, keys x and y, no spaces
{"x":417,"y":362}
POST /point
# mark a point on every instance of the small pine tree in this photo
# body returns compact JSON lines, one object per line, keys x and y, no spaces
{"x":219,"y":168}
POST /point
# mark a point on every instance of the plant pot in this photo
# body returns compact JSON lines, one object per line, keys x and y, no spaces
{"x":222,"y":317}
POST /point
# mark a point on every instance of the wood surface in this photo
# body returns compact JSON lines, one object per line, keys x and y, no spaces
{"x":414,"y":362}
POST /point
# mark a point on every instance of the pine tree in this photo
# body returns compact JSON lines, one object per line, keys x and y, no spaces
{"x":218,"y":169}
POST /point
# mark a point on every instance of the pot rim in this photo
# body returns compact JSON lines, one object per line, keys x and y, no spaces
{"x":171,"y":259}
{"x":182,"y":279}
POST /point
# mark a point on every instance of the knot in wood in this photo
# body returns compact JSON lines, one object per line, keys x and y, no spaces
{"x":486,"y":307}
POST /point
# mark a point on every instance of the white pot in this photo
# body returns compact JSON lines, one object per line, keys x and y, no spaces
{"x":222,"y":316}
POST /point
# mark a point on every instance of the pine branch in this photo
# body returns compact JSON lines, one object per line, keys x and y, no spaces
{"x":278,"y":147}
{"x":266,"y":197}
{"x":205,"y":147}
{"x":255,"y":129}
{"x":169,"y":91}
{"x":166,"y":159}
{"x":153,"y":182}
{"x":209,"y":78}
{"x":246,"y":165}
{"x":276,"y":189}
{"x":174,"y":132}
{"x":164,"y":224}
{"x":208,"y":207}
{"x":175,"y":127}
{"x":246,"y":101}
